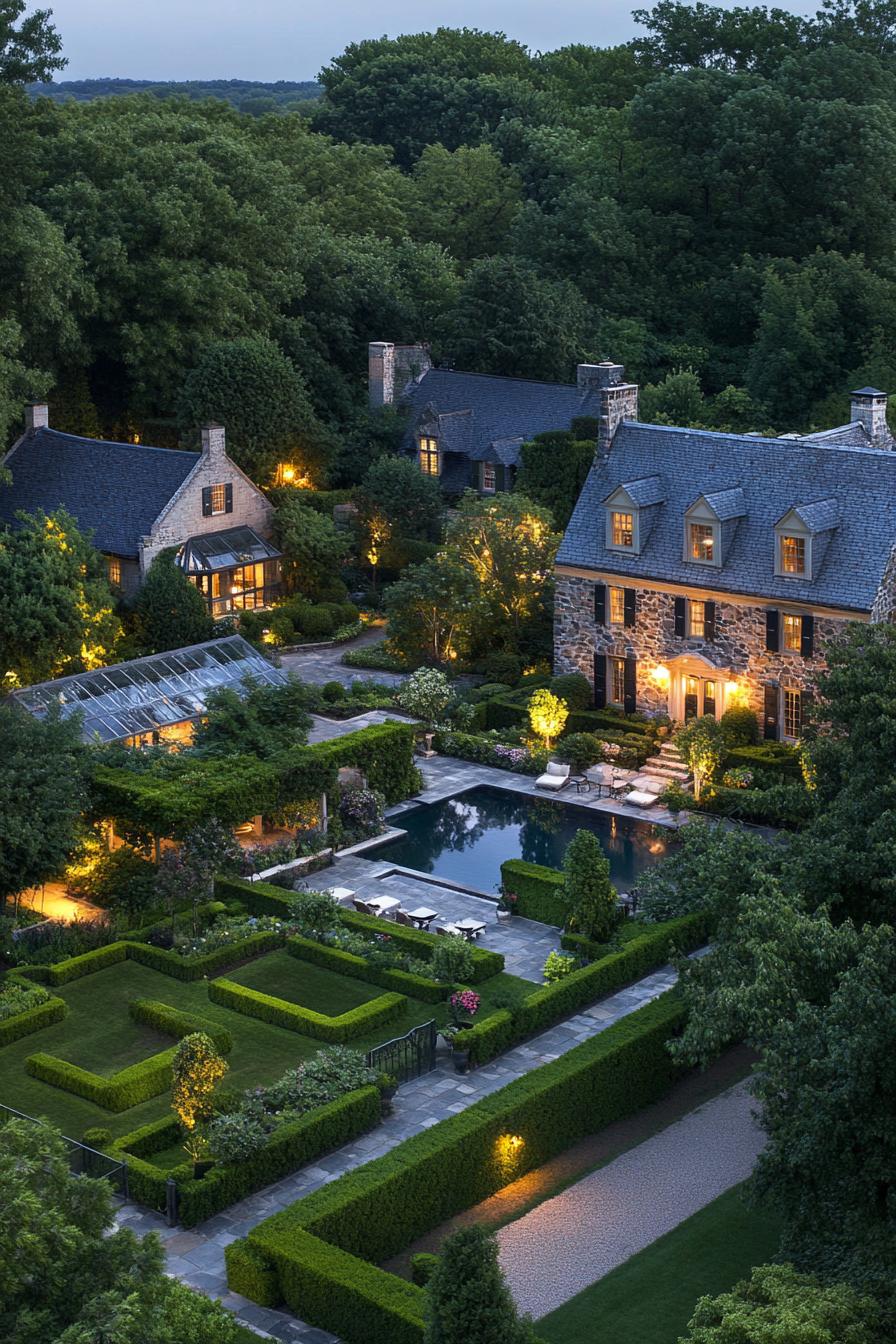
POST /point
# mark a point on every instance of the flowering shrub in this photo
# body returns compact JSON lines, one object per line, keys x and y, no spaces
{"x":426,"y":694}
{"x":507,"y":900}
{"x":488,"y":749}
{"x":611,"y":750}
{"x":19,"y":998}
{"x":313,"y":912}
{"x":257,"y":858}
{"x":558,"y":966}
{"x":463,"y":1005}
{"x":226,"y":931}
{"x":513,"y":756}
{"x":741,"y":777}
{"x":52,"y":942}
{"x":361,"y":814}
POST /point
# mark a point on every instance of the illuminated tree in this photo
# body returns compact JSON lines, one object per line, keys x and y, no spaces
{"x":197,"y":1068}
{"x":547,"y":715}
{"x":703,"y":744}
{"x":426,"y":694}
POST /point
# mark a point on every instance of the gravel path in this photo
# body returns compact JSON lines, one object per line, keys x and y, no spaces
{"x":571,"y":1241}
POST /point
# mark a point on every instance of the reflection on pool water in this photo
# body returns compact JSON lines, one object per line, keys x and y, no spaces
{"x":468,"y":837}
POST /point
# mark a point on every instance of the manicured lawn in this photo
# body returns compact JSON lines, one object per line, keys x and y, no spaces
{"x":651,"y":1297}
{"x":301,"y":982}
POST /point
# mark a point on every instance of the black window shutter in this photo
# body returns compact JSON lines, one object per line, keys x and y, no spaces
{"x":770,"y":715}
{"x":680,"y":617}
{"x":228,"y":498}
{"x":600,"y":604}
{"x":807,"y":636}
{"x":629,"y":600}
{"x":600,"y":681}
{"x":709,"y":621}
{"x":631,"y":685}
{"x":207,"y":501}
{"x":772,"y":623}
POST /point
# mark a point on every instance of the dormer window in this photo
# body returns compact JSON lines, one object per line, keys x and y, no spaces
{"x":792,"y":554}
{"x":702,"y":542}
{"x":622,"y":529}
{"x":429,"y":457}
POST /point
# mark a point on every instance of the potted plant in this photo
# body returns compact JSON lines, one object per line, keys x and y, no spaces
{"x":506,"y":904}
{"x":388,"y":1085}
{"x":462,"y":1008}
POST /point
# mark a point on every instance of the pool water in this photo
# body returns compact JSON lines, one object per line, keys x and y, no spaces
{"x":468,"y":837}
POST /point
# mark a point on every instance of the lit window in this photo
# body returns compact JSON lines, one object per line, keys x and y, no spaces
{"x":489,"y":477}
{"x":697,"y":615}
{"x":793,"y":555}
{"x":113,"y":569}
{"x":429,"y":457}
{"x":219,"y":498}
{"x":617,"y":680}
{"x":709,"y":698}
{"x":793,"y":632}
{"x":617,"y":606}
{"x":793,"y":712}
{"x":622,"y":529}
{"x":702,"y":544}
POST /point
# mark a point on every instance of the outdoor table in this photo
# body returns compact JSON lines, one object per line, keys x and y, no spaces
{"x":422,"y":918}
{"x":341,"y":895}
{"x":469,"y":927}
{"x":383,"y":904}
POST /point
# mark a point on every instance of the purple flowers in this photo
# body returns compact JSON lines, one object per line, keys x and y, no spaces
{"x":512,"y":755}
{"x":464,"y":1001}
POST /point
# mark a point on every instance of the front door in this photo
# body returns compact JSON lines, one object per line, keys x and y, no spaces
{"x":691,"y":698}
{"x":709,"y":698}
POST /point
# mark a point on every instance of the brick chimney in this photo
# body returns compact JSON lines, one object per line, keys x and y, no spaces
{"x":618,"y":400}
{"x":391,"y":367}
{"x":37,"y":416}
{"x":868,"y":407}
{"x":214,"y":441}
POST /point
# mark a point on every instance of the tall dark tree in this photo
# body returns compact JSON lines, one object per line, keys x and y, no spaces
{"x":467,"y":1300}
{"x":170,"y":612}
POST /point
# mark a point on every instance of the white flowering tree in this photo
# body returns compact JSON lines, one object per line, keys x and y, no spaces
{"x":426,"y":694}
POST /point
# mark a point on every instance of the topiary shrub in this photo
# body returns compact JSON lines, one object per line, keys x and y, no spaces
{"x":97,"y":1137}
{"x":740,"y":726}
{"x":422,"y":1266}
{"x":580,"y":750}
{"x":452,"y":960}
{"x":589,"y":892}
{"x":504,"y":667}
{"x":318,"y":623}
{"x":574,"y":688}
{"x":333,"y":691}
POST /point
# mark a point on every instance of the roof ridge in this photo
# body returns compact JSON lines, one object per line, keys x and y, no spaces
{"x":504,"y":378}
{"x":799,"y":440}
{"x":112,"y":443}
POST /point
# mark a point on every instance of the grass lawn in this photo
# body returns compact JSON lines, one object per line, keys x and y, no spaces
{"x":652,"y":1296}
{"x":98,"y":1033}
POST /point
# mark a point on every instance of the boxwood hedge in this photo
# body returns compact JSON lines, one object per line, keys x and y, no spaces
{"x":23,"y":1024}
{"x":175,"y":1022}
{"x":346,"y":963}
{"x":320,"y":1255}
{"x":539,"y":891}
{"x":281,"y":1013}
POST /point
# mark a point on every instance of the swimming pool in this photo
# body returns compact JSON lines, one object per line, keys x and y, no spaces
{"x":468,"y":837}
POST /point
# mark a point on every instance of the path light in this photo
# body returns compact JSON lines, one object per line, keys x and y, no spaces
{"x":508,"y":1153}
{"x":661,"y":675}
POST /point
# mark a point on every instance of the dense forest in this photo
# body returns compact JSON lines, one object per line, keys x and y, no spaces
{"x":710,"y":204}
{"x":246,"y":95}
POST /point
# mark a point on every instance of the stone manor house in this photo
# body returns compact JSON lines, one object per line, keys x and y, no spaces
{"x":701,"y":570}
{"x":137,"y":501}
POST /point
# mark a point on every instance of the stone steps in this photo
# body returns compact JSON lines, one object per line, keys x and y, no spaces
{"x":668,"y":767}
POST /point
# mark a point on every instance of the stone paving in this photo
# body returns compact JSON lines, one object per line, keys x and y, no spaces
{"x":197,"y":1256}
{"x":319,"y":666}
{"x":574,"y":1239}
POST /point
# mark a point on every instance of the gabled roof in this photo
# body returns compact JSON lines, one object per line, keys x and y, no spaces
{"x":819,"y":516}
{"x":505,"y":451}
{"x":649,"y":490}
{"x":497,"y":408}
{"x":775,"y":475}
{"x":726,"y":504}
{"x":116,"y":490}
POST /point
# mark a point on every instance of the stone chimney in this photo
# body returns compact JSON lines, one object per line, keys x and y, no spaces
{"x":37,"y":416}
{"x":214,"y":441}
{"x":391,"y":367}
{"x":618,"y":400}
{"x":868,"y":407}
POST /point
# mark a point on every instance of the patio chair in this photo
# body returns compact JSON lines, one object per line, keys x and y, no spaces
{"x":555,"y":777}
{"x":402,"y":917}
{"x":363,"y":908}
{"x":638,"y":798}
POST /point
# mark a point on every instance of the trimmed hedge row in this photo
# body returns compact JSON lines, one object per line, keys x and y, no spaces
{"x":539,"y":891}
{"x":292,"y":1146}
{"x":509,"y":711}
{"x":317,"y":1255}
{"x":174,"y":1022}
{"x":262,"y":898}
{"x":23,"y":1024}
{"x":777,"y":759}
{"x":86,"y":964}
{"x":196,"y":968}
{"x":346,"y":963}
{"x":551,"y":1003}
{"x":281,"y":1013}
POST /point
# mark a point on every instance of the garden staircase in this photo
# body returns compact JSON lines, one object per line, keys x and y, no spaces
{"x":668,"y":765}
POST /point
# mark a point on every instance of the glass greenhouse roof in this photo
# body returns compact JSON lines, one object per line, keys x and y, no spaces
{"x":150,"y":693}
{"x":225,"y":550}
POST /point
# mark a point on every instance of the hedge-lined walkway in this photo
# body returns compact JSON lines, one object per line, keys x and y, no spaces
{"x":569,"y":1242}
{"x":197,"y":1256}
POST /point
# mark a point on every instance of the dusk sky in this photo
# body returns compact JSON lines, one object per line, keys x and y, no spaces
{"x":292,"y":39}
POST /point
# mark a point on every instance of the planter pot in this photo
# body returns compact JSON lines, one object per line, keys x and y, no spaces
{"x":503,"y":916}
{"x":389,"y":1092}
{"x":461,"y":1060}
{"x":201,"y":1168}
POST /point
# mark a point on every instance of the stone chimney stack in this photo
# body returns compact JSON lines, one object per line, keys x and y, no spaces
{"x":214,"y":441}
{"x":390,"y":368}
{"x":868,"y":406}
{"x":618,"y":400}
{"x":37,"y":416}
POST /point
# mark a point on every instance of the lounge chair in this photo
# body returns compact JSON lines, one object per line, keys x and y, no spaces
{"x":638,"y":798}
{"x":555,"y":777}
{"x":363,"y":908}
{"x":402,"y":917}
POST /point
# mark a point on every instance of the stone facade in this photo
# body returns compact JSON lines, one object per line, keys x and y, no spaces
{"x":737,"y":660}
{"x":183,"y":516}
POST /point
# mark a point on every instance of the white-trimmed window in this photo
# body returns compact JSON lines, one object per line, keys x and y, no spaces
{"x":617,"y":606}
{"x":702,"y":543}
{"x":793,"y":712}
{"x":792,"y":554}
{"x":489,"y":478}
{"x":218,"y":495}
{"x":113,"y":570}
{"x":791,"y":632}
{"x":617,"y":681}
{"x":429,"y":457}
{"x":696,"y":618}
{"x":622,"y":529}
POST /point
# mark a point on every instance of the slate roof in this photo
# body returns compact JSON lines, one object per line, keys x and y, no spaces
{"x":117,"y":490}
{"x":497,"y":409}
{"x":649,"y":490}
{"x":775,"y":475}
{"x":819,"y":516}
{"x":727,"y":504}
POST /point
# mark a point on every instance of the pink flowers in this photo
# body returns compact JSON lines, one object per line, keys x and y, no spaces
{"x":464,"y":1001}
